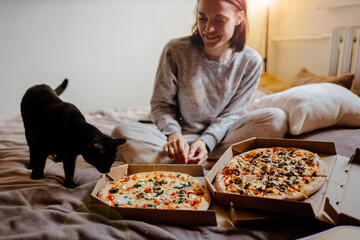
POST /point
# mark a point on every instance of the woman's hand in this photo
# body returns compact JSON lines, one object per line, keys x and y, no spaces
{"x":198,"y":152}
{"x":177,"y":148}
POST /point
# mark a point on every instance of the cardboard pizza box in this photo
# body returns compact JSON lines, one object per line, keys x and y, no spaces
{"x":157,"y":216}
{"x":344,"y":208}
{"x":242,"y":217}
{"x":333,"y":203}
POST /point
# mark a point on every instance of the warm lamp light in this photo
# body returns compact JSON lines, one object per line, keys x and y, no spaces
{"x":267,"y":3}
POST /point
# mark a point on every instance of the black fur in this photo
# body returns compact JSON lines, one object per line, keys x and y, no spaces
{"x":56,"y":127}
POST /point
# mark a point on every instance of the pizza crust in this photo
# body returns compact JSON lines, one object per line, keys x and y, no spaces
{"x":322,"y":167}
{"x":219,"y":183}
{"x":294,"y":196}
{"x":103,"y":193}
{"x":314,"y":186}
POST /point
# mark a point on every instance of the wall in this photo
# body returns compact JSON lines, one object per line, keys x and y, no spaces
{"x":108,"y":49}
{"x":291,"y":19}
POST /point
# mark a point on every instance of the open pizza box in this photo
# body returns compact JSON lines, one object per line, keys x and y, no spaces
{"x":337,"y":202}
{"x":157,"y":216}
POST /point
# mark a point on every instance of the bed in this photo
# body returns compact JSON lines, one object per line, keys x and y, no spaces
{"x":44,"y":209}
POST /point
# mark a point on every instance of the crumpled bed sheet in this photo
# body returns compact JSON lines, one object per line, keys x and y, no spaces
{"x":44,"y":209}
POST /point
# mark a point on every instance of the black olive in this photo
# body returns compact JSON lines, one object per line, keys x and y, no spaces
{"x":270,"y":185}
{"x":253,"y":161}
{"x":236,"y":172}
{"x":238,"y":181}
{"x":266,"y":160}
{"x":292,"y":153}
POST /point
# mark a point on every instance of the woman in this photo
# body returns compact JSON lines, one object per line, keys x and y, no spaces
{"x":204,"y":83}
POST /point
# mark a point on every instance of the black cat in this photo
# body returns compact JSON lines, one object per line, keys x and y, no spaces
{"x":56,"y":127}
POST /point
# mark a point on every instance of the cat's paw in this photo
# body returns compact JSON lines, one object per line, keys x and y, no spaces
{"x":36,"y":176}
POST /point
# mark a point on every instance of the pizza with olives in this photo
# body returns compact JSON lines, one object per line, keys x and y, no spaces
{"x":279,"y":172}
{"x":159,"y":190}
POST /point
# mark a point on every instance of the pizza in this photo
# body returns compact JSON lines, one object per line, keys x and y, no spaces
{"x":159,"y":190}
{"x":279,"y":172}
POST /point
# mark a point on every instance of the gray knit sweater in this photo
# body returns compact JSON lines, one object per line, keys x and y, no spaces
{"x":193,"y":94}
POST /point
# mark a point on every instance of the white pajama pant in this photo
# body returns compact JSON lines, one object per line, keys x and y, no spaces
{"x":145,"y":142}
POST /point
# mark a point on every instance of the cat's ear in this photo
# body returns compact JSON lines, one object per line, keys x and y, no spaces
{"x":119,"y":141}
{"x":96,"y":146}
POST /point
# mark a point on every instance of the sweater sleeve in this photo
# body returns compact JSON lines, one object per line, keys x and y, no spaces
{"x":238,"y":104}
{"x":163,"y":101}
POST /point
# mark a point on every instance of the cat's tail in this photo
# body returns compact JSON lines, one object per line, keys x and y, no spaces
{"x":62,"y":87}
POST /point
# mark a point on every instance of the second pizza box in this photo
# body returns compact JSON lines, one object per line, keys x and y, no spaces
{"x":157,"y":216}
{"x":337,"y":202}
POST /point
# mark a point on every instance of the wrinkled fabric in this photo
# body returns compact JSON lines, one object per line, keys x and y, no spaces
{"x":44,"y":209}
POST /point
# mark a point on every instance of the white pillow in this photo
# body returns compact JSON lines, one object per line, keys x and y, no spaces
{"x":314,"y":106}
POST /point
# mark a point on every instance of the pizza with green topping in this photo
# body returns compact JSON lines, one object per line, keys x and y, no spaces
{"x":279,"y":172}
{"x":159,"y":190}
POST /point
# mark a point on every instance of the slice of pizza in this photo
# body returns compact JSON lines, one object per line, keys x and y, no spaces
{"x":299,"y":161}
{"x":250,"y":185}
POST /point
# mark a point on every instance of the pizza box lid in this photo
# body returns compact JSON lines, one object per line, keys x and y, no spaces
{"x":157,"y":216}
{"x":314,"y":206}
{"x":345,"y":208}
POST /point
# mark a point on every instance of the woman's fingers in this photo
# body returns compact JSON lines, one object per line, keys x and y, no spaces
{"x":177,"y":149}
{"x":198,"y":152}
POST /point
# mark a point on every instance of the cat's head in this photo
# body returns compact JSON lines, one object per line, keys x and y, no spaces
{"x":101,"y":152}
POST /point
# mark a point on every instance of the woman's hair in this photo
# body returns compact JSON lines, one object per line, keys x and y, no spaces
{"x":238,"y":39}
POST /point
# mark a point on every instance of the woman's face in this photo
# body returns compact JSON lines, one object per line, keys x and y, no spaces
{"x":217,"y":20}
